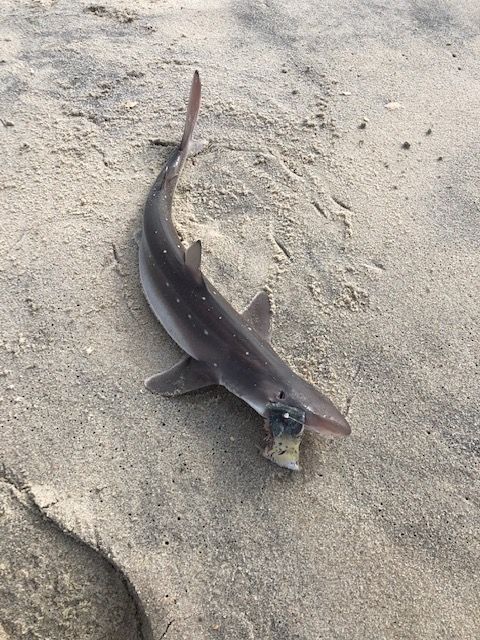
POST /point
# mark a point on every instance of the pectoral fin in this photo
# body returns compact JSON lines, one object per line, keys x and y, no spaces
{"x":258,"y":314}
{"x":187,"y":375}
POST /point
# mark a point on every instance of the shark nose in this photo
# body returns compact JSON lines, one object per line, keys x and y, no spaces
{"x":332,"y":424}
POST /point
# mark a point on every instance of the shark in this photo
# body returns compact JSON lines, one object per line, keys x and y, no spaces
{"x":221,"y":345}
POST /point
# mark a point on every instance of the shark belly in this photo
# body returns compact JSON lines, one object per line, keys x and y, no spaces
{"x":162,"y":299}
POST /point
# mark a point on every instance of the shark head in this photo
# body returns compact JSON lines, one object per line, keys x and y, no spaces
{"x":284,"y":426}
{"x":298,"y":407}
{"x":329,"y":423}
{"x":321,"y":415}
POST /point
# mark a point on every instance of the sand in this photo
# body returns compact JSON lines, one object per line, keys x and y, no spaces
{"x":52,"y":585}
{"x":342,"y":174}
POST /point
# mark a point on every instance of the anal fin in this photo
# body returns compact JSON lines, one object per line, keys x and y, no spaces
{"x":187,"y":375}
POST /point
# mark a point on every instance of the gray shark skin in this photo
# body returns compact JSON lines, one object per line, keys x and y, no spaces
{"x":222,"y":346}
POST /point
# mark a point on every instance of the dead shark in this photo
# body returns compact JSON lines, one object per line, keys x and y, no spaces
{"x":222,"y":346}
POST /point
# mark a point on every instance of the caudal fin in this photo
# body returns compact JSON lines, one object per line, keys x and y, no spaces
{"x":192,"y":110}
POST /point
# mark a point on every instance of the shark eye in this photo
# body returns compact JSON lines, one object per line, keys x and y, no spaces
{"x":281,"y":395}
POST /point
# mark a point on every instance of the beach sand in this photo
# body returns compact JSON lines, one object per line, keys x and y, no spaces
{"x":342,"y":175}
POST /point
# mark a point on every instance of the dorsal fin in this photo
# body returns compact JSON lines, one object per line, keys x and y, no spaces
{"x":193,"y":258}
{"x":258,"y":314}
{"x":193,"y":255}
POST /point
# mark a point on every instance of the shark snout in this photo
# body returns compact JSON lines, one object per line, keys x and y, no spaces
{"x":329,"y":424}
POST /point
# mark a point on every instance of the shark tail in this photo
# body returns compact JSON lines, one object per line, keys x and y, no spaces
{"x":192,"y":113}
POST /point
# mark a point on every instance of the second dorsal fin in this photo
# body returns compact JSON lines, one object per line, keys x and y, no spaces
{"x":193,"y":255}
{"x":193,"y":258}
